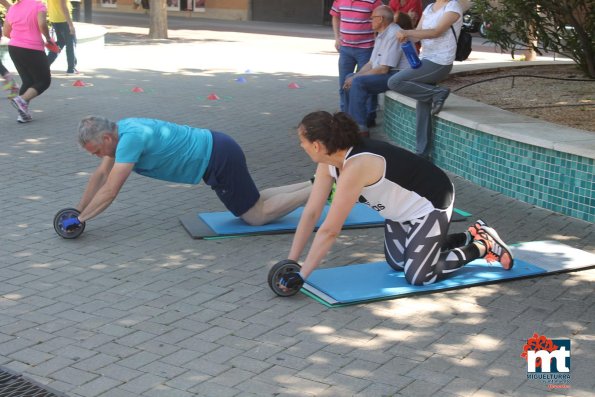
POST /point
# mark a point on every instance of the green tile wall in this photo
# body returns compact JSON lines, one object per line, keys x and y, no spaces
{"x":560,"y":182}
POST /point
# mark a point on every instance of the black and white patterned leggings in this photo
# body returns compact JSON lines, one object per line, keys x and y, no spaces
{"x":423,"y":249}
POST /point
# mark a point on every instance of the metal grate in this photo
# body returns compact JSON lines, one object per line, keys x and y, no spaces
{"x":17,"y":386}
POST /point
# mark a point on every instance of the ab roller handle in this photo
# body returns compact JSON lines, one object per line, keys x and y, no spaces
{"x":62,"y":224}
{"x":279,"y":270}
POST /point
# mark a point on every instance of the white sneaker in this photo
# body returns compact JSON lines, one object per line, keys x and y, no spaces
{"x":21,"y":105}
{"x":22,"y":120}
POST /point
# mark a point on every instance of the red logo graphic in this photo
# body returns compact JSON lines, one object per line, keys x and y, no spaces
{"x":537,"y":343}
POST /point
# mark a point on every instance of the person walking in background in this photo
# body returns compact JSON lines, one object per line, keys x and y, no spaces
{"x":439,"y":47}
{"x":10,"y":84}
{"x":24,"y":26}
{"x":76,"y":10}
{"x":354,"y":40}
{"x":387,"y":58}
{"x":410,"y":7}
{"x":59,"y":16}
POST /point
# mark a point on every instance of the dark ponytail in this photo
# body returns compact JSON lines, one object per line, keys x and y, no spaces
{"x":338,"y":131}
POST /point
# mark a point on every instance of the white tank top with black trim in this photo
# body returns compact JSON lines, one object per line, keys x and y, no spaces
{"x":410,"y":187}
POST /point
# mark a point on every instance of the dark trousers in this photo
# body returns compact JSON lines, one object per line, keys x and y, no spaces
{"x":33,"y":67}
{"x":76,"y":11}
{"x":64,"y":39}
{"x":420,"y":84}
{"x":363,"y":90}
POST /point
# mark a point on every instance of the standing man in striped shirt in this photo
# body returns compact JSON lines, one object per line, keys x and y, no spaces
{"x":354,"y":40}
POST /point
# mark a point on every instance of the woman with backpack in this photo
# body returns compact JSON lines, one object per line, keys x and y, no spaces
{"x":439,"y":46}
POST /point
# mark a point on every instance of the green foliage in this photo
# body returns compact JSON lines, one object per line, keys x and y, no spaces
{"x":3,"y":10}
{"x":566,"y":27}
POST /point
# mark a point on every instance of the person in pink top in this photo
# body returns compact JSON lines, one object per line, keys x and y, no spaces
{"x":413,"y":8}
{"x":354,"y":40}
{"x":10,"y":84}
{"x":24,"y":25}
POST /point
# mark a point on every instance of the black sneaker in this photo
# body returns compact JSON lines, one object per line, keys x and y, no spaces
{"x":438,"y":102}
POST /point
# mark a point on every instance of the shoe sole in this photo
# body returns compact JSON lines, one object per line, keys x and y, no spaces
{"x":494,"y":235}
{"x":22,"y":120}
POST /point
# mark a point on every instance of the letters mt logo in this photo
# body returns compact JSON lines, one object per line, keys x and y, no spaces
{"x":548,"y":360}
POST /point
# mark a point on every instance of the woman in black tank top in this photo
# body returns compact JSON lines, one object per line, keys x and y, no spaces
{"x":411,"y":193}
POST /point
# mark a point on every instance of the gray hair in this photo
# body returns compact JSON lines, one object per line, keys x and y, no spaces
{"x":385,"y":12}
{"x":92,"y":128}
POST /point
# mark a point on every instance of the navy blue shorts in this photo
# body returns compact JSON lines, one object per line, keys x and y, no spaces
{"x":227,"y":174}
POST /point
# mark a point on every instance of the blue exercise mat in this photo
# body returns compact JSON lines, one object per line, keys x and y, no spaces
{"x":226,"y":223}
{"x":352,"y":284}
{"x":214,"y":225}
{"x":374,"y":281}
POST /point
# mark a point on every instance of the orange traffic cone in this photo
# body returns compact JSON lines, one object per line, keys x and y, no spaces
{"x":137,"y":89}
{"x":78,"y":83}
{"x":213,"y":97}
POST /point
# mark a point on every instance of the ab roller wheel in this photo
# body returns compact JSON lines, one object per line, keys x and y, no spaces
{"x":61,"y":216}
{"x":279,"y":270}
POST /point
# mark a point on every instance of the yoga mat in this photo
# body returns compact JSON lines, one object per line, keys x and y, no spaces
{"x":224,"y":224}
{"x":344,"y":285}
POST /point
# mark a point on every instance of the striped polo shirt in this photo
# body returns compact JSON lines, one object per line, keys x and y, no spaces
{"x":355,"y":23}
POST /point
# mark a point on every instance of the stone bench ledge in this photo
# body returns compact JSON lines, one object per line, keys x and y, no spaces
{"x":505,"y":124}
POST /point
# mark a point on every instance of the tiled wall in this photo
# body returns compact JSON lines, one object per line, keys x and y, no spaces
{"x":560,"y":182}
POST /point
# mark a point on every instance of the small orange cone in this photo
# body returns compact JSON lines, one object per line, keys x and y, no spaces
{"x":78,"y":83}
{"x":213,"y":97}
{"x":293,"y":86}
{"x":137,"y":89}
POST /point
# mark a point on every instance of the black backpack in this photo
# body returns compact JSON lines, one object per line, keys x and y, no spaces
{"x":463,"y":45}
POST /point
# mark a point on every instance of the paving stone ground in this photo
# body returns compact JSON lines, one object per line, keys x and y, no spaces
{"x":135,"y":307}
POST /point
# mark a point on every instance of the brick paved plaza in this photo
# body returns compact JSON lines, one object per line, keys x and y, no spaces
{"x":135,"y":307}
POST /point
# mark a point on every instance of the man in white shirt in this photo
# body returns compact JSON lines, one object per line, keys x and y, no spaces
{"x":387,"y":58}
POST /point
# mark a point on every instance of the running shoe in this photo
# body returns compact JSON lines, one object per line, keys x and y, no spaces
{"x":497,"y":250}
{"x":12,"y":87}
{"x":331,"y":195}
{"x":22,"y":120}
{"x":21,"y":105}
{"x":474,"y":229}
{"x":438,"y":101}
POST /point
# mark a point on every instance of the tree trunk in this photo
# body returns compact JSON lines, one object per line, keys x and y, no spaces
{"x":530,"y":54}
{"x":158,"y":12}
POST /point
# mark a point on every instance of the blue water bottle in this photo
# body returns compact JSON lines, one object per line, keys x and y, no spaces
{"x":411,"y":54}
